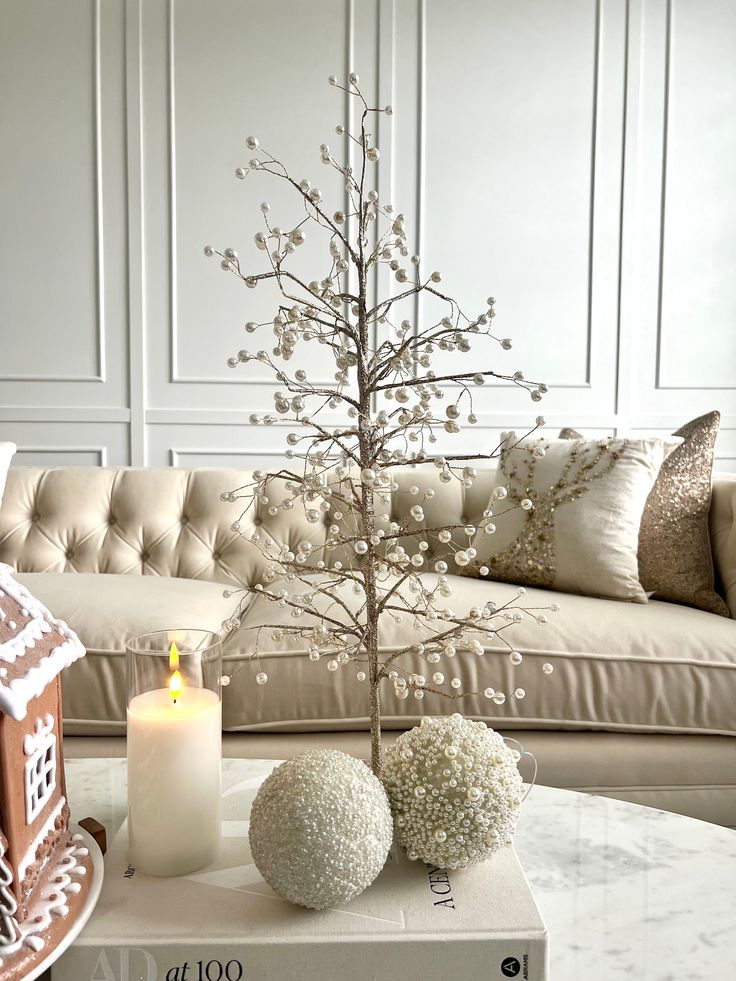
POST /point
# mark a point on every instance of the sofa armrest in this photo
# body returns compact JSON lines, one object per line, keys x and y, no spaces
{"x":723,"y":536}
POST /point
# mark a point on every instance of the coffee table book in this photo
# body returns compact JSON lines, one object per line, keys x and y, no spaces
{"x":226,"y":924}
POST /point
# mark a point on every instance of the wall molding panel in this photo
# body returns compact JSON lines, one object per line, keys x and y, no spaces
{"x":96,"y":217}
{"x":95,"y":456}
{"x":63,"y":268}
{"x":591,"y":194}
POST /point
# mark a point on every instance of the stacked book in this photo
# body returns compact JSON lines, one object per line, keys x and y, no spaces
{"x":226,"y":924}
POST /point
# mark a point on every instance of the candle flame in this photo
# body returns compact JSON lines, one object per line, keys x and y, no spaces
{"x":176,"y":685}
{"x":175,"y":681}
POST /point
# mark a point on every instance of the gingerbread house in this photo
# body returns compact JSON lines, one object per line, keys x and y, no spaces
{"x":43,"y":868}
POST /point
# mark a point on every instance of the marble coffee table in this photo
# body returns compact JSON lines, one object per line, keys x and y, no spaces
{"x":626,"y":891}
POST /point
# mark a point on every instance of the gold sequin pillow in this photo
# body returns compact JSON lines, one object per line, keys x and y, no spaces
{"x":569,"y":517}
{"x":675,"y":560}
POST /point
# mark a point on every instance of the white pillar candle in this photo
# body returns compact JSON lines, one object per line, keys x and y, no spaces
{"x":174,"y":780}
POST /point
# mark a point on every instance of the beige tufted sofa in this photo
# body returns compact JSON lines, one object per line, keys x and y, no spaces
{"x":642,"y":704}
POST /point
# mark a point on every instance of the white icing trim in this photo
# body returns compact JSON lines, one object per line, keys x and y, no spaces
{"x":8,"y":905}
{"x":37,"y":739}
{"x":40,"y":783}
{"x":43,"y":908}
{"x":15,"y":696}
{"x":24,"y":640}
{"x":30,"y":855}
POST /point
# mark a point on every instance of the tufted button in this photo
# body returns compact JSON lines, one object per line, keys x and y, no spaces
{"x":112,"y":520}
{"x":144,"y":556}
{"x":35,"y":517}
{"x":184,"y":519}
{"x":70,"y":553}
{"x":216,"y":556}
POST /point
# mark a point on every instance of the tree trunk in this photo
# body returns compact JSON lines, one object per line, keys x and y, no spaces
{"x":367,"y":451}
{"x":376,"y":758}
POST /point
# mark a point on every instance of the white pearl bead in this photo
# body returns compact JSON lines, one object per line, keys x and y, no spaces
{"x":261,"y":678}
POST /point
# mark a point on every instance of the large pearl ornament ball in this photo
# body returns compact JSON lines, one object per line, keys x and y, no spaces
{"x":320,"y":828}
{"x":455,"y":791}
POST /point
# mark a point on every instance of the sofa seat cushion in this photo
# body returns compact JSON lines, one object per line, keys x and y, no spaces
{"x":653,"y":667}
{"x":104,"y":610}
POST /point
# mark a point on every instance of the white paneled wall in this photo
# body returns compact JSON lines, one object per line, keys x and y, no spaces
{"x":577,"y":159}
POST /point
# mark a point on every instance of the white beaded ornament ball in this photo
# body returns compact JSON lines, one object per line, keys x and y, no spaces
{"x":455,"y":791}
{"x":320,"y":828}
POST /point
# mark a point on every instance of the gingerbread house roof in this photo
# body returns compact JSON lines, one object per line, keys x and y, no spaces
{"x":34,"y":646}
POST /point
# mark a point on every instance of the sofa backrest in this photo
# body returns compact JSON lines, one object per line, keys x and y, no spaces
{"x":127,"y":520}
{"x":171,"y":522}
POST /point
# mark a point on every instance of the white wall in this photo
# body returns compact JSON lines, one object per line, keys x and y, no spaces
{"x":576,"y":159}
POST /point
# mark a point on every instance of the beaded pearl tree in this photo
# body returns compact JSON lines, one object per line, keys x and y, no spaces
{"x":385,"y":384}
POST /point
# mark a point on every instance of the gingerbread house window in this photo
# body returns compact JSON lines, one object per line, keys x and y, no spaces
{"x":40,"y":777}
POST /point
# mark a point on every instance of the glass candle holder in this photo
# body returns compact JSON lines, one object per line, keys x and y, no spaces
{"x":174,"y":750}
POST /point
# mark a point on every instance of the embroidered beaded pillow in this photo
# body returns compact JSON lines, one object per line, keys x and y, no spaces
{"x":569,"y":516}
{"x":675,"y":560}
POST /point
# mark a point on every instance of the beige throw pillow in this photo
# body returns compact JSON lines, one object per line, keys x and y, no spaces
{"x":570,"y":517}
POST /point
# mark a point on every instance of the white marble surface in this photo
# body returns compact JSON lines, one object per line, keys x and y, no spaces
{"x":626,"y":891}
